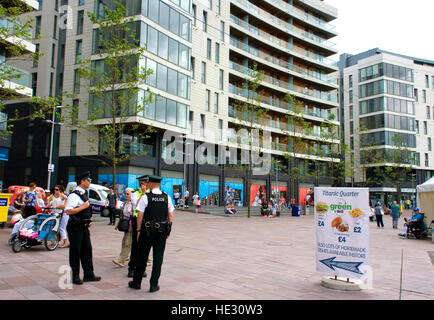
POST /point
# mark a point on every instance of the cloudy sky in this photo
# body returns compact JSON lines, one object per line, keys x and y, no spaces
{"x":400,"y":26}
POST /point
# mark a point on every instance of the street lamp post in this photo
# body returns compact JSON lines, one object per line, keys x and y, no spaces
{"x":50,"y":160}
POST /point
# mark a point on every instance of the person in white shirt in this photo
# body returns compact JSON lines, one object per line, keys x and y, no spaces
{"x":80,"y":249}
{"x":57,"y":203}
{"x":186,"y":196}
{"x":127,"y":213}
{"x":155,"y":215}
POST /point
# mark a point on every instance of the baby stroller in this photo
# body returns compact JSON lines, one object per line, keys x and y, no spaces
{"x":42,"y":228}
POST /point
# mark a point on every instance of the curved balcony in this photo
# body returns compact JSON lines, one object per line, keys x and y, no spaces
{"x":300,"y":14}
{"x":297,"y":32}
{"x":284,"y":45}
{"x":319,"y":114}
{"x":306,"y":93}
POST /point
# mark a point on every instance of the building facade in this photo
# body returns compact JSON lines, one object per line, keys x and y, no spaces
{"x":201,"y":53}
{"x":386,"y":105}
{"x":16,"y":81}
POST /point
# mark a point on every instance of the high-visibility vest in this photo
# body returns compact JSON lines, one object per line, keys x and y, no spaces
{"x":140,"y":193}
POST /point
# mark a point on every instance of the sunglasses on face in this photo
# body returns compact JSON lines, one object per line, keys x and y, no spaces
{"x":56,"y":189}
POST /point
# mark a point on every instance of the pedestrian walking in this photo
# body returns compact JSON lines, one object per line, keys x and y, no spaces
{"x":176,"y":197}
{"x":57,"y":202}
{"x":379,"y":215}
{"x":80,"y":214}
{"x":186,"y":197}
{"x":112,"y":203}
{"x":135,"y":197}
{"x":395,"y":214}
{"x":154,"y":223}
{"x":30,"y":195}
{"x":126,"y":214}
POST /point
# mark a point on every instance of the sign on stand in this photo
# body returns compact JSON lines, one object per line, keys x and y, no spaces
{"x":342,"y":231}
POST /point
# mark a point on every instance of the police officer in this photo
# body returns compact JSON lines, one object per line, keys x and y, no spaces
{"x":135,"y":197}
{"x":80,"y":249}
{"x":154,"y":222}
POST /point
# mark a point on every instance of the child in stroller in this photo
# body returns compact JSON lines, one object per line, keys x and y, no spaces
{"x":35,"y":229}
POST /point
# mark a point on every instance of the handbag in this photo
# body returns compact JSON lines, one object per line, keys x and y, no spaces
{"x":124,"y":224}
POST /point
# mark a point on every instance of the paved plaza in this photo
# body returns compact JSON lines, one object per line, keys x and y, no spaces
{"x":230,"y":258}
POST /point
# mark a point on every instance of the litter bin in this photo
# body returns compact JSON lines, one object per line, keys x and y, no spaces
{"x":4,"y":206}
{"x":295,"y":211}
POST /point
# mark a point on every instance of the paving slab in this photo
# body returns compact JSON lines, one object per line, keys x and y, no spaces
{"x":213,"y":257}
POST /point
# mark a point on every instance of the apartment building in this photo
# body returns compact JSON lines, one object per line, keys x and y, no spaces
{"x":386,"y":101}
{"x":15,"y":83}
{"x":200,"y":52}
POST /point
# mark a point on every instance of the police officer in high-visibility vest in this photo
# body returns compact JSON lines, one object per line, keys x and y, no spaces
{"x":135,"y":197}
{"x":154,"y":223}
{"x":80,"y":214}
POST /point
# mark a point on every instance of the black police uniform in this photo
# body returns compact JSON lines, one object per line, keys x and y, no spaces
{"x":154,"y":231}
{"x":80,"y":247}
{"x":133,"y":253}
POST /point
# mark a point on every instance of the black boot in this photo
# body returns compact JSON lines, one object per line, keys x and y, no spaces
{"x":134,"y":285}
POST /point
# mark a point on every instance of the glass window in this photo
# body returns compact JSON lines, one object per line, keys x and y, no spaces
{"x":208,"y":49}
{"x":80,"y":20}
{"x":207,"y":98}
{"x":184,"y":58}
{"x":152,"y":45}
{"x":182,"y":85}
{"x":173,"y":51}
{"x":203,"y":75}
{"x":150,"y":110}
{"x":181,"y":115}
{"x":160,"y":109}
{"x":204,"y":20}
{"x":216,"y":102}
{"x":145,"y":7}
{"x":161,"y":77}
{"x":153,"y":10}
{"x":172,"y":81}
{"x":163,"y":45}
{"x":73,"y":146}
{"x":174,"y":21}
{"x":171,"y":112}
{"x":217,"y":52}
{"x":152,"y":78}
{"x":185,"y":4}
{"x":221,"y":79}
{"x":185,"y":27}
{"x":164,"y":15}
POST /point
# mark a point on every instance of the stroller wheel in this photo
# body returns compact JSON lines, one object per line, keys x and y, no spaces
{"x":51,"y":241}
{"x":16,"y":246}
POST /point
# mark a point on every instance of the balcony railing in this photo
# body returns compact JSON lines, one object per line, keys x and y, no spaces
{"x":279,"y":42}
{"x":317,"y":94}
{"x":282,"y":104}
{"x":289,"y":27}
{"x":302,"y":14}
{"x":16,"y":75}
{"x":294,"y":68}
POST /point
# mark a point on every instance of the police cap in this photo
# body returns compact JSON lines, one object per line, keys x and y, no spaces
{"x":155,"y":179}
{"x":83,"y":176}
{"x":144,"y":178}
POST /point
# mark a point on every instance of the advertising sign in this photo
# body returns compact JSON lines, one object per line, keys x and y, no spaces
{"x":342,"y":231}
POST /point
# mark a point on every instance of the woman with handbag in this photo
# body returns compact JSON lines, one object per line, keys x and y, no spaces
{"x":124,"y":225}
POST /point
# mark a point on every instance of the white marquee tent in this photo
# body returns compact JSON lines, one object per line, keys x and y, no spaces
{"x":425,"y":199}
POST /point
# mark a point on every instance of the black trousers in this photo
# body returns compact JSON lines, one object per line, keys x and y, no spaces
{"x":112,"y":214}
{"x":379,"y":219}
{"x":133,"y":254}
{"x":80,"y":250}
{"x":157,"y":241}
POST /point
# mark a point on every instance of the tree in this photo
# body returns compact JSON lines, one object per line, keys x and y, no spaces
{"x":16,"y":37}
{"x":249,"y":114}
{"x":114,"y":84}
